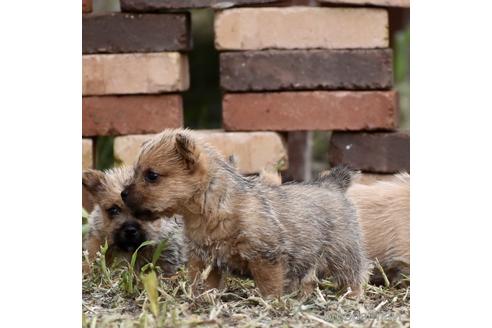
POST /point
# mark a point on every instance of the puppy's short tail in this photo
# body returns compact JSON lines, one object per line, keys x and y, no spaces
{"x":340,"y":176}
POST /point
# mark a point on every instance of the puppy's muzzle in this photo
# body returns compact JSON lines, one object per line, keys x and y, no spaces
{"x":129,"y":236}
{"x":134,"y":202}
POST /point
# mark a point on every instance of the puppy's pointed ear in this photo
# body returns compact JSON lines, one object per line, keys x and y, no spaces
{"x":187,"y":149}
{"x":92,"y":180}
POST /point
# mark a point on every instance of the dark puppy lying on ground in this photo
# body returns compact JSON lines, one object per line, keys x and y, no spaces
{"x":112,"y":221}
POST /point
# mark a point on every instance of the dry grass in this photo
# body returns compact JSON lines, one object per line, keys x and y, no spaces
{"x":109,"y":302}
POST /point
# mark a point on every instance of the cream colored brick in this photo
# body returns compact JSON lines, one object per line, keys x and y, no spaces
{"x":134,"y":73}
{"x":301,"y":28}
{"x":253,"y":150}
{"x":87,"y":159}
{"x":382,"y":3}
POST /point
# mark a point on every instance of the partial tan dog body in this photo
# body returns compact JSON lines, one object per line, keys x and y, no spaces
{"x":284,"y":236}
{"x":384,"y":216}
{"x":111,"y":221}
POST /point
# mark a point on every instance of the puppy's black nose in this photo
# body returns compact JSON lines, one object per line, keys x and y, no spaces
{"x":124,"y":194}
{"x":131,"y":232}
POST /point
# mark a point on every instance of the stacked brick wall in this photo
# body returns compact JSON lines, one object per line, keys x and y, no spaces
{"x":135,"y":69}
{"x":295,"y":69}
{"x":285,"y":71}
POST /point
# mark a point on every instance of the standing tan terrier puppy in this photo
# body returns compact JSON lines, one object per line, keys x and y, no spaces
{"x":285,"y":236}
{"x":111,"y":221}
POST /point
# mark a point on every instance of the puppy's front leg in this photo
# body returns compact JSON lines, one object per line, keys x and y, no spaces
{"x":214,"y":279}
{"x":196,"y":267}
{"x":268,"y":277}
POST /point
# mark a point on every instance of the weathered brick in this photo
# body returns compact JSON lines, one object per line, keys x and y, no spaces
{"x":254,"y":151}
{"x":87,"y":159}
{"x":306,"y":70}
{"x":134,"y":73}
{"x":87,"y":163}
{"x":86,"y":6}
{"x":301,"y":28}
{"x":378,"y":152}
{"x":379,"y":3}
{"x":310,"y":110}
{"x":127,"y":33}
{"x":120,"y":115}
{"x":160,"y":5}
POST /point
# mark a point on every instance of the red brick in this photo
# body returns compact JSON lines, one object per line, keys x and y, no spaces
{"x":315,"y":110}
{"x":123,"y":115}
{"x":376,"y":152}
{"x":86,"y":6}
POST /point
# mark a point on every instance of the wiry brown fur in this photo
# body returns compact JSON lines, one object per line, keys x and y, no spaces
{"x":105,"y":189}
{"x":284,"y":236}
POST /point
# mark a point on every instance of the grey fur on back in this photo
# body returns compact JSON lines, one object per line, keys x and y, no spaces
{"x":321,"y":232}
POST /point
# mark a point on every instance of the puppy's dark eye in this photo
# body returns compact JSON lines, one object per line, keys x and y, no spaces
{"x":151,"y":176}
{"x":113,"y":210}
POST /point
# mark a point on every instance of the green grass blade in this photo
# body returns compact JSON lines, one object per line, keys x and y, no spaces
{"x":102,"y":263}
{"x":150,"y":283}
{"x":134,"y":255}
{"x":85,"y":229}
{"x":158,"y":251}
{"x":85,"y":216}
